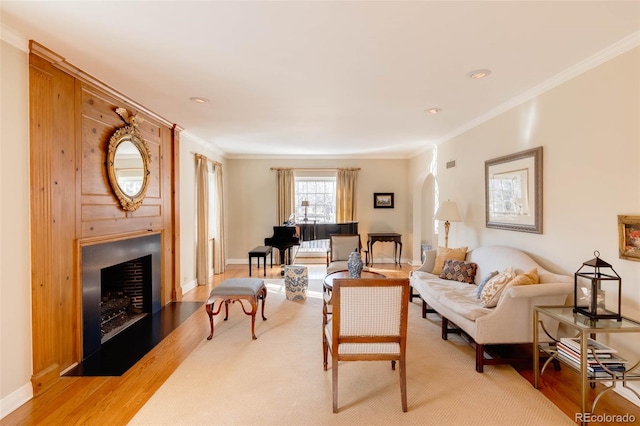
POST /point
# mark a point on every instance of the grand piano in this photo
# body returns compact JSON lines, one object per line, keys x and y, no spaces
{"x":284,"y":238}
{"x":321,"y":231}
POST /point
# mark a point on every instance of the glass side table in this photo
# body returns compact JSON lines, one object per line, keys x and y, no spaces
{"x":584,"y":328}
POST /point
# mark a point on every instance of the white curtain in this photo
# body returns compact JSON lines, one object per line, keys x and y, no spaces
{"x":218,"y":238}
{"x":202,"y":231}
{"x":346,"y":195}
{"x":285,"y":195}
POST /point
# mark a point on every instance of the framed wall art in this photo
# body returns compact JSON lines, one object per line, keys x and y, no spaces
{"x":383,"y":200}
{"x":513,"y":191}
{"x":629,"y":237}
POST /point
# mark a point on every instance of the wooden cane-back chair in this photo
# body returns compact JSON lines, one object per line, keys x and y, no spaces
{"x":369,"y":323}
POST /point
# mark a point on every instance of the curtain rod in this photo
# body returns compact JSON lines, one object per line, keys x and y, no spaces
{"x":316,"y":169}
{"x":204,"y":157}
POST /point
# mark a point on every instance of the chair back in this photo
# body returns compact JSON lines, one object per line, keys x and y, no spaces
{"x":370,"y":317}
{"x":342,"y":245}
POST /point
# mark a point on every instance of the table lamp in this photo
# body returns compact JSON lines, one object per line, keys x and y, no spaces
{"x":448,"y":211}
{"x":305,"y":204}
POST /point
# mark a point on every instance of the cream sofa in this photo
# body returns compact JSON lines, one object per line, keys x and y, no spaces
{"x":511,"y":321}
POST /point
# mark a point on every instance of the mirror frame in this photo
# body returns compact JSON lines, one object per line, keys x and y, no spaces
{"x":128,"y":134}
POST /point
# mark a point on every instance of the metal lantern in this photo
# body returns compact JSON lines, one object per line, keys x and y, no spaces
{"x":601,"y":273}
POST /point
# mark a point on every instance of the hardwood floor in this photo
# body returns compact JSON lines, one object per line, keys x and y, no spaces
{"x":115,"y":400}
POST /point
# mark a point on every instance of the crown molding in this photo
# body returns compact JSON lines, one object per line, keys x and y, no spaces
{"x":61,"y":63}
{"x":570,"y":73}
{"x":14,"y":38}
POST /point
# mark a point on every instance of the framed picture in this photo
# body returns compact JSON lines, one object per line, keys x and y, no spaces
{"x":513,"y":191}
{"x":383,"y":200}
{"x":629,"y":237}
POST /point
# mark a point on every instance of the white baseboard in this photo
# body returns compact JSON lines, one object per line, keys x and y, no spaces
{"x":11,"y":402}
{"x":186,"y":287}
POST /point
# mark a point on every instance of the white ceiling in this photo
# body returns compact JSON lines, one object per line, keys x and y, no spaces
{"x":328,"y":79}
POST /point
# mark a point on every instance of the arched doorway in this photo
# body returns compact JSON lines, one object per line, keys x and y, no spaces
{"x":425,"y":193}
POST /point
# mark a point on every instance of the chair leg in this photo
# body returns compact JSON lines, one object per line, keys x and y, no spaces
{"x":325,"y":350}
{"x":334,"y":381}
{"x":403,"y":384}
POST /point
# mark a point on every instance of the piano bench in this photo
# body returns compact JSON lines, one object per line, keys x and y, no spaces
{"x":236,"y":290}
{"x":261,"y":252}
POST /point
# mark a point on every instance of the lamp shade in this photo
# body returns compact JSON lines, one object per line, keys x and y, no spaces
{"x":448,"y":210}
{"x":304,"y":203}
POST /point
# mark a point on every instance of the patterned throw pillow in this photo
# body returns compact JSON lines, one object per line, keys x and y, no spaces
{"x":494,"y":287}
{"x":459,"y":270}
{"x":447,"y":253}
{"x":484,"y":282}
{"x":529,"y":277}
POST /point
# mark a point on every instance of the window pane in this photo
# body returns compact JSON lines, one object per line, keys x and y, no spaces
{"x":320,"y":193}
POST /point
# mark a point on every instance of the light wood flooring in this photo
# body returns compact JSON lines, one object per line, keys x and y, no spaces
{"x":115,"y":400}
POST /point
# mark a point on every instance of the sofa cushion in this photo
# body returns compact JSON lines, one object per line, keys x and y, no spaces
{"x":494,"y":287}
{"x":484,"y":281}
{"x":459,"y":297}
{"x":459,"y":270}
{"x":445,"y":253}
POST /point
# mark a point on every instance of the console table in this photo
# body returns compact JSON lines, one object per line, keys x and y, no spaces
{"x":585,"y":328}
{"x":385,"y":237}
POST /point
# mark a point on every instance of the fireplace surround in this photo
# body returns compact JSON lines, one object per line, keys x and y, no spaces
{"x":98,"y":258}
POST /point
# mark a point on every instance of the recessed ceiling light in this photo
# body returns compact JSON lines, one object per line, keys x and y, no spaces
{"x":199,"y":100}
{"x":478,"y":74}
{"x":433,"y":110}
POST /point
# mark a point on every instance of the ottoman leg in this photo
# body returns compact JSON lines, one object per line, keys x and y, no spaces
{"x":263,"y":296}
{"x":209,"y":309}
{"x":226,"y":309}
{"x":254,"y":310}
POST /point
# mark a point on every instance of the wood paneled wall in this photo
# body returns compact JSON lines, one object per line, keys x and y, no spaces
{"x":72,"y":118}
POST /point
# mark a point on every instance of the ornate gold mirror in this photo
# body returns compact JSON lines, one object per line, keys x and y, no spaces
{"x":128,"y":161}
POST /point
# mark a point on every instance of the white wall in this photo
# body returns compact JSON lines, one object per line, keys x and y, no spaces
{"x":188,"y":148}
{"x":589,"y":128}
{"x":251,"y":207}
{"x":15,"y":274}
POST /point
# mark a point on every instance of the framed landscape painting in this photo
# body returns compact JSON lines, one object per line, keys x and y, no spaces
{"x":629,"y":237}
{"x":513,"y":191}
{"x":383,"y":200}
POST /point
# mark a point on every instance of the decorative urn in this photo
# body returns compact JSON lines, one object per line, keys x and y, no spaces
{"x":354,"y":264}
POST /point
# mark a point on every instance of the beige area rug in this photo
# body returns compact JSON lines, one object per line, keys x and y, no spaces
{"x":279,"y":380}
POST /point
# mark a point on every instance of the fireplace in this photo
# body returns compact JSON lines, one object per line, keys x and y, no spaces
{"x":121,"y":282}
{"x":125,"y":293}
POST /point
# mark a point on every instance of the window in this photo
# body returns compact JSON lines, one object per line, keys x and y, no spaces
{"x":320,"y":192}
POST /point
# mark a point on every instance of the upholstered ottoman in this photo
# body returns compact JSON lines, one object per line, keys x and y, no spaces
{"x":237,"y":289}
{"x":296,"y":282}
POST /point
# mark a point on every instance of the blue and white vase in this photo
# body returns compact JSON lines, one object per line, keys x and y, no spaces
{"x":354,"y":264}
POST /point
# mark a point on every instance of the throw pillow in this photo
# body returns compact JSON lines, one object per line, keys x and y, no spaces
{"x":445,"y":254}
{"x":494,"y":287}
{"x":529,"y":277}
{"x":484,"y":282}
{"x":459,"y":270}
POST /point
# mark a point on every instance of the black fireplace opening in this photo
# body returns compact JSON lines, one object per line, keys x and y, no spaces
{"x":121,"y":282}
{"x":125,"y":295}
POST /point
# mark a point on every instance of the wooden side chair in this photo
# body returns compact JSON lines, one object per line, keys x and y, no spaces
{"x":368,"y":323}
{"x":340,"y":247}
